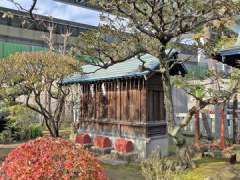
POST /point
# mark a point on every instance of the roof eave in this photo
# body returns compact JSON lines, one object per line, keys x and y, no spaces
{"x":79,"y":81}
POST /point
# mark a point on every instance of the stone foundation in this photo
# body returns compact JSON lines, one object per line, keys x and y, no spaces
{"x":101,"y":151}
{"x":142,"y":146}
{"x":158,"y":143}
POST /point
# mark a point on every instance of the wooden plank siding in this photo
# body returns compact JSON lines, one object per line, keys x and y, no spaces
{"x":125,"y":109}
{"x":156,"y":111}
{"x":155,"y":99}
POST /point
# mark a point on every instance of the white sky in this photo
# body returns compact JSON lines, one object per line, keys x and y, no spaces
{"x":59,"y":10}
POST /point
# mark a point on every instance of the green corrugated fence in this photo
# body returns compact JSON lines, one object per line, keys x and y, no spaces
{"x":7,"y":48}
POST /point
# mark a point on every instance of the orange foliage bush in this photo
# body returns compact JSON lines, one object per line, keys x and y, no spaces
{"x":51,"y":158}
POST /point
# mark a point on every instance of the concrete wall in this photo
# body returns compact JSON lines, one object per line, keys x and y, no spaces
{"x":31,"y":37}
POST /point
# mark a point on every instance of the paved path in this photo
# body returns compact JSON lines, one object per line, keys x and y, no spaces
{"x":5,"y":149}
{"x":9,"y":146}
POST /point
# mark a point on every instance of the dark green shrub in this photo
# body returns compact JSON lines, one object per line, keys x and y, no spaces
{"x":6,"y":136}
{"x":36,"y":131}
{"x":29,"y":132}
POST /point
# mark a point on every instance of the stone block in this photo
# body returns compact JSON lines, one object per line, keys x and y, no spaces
{"x":102,"y":142}
{"x":83,"y":139}
{"x":123,"y":145}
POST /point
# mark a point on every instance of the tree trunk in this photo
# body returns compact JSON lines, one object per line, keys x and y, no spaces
{"x":235,"y":118}
{"x":222,"y":130}
{"x":48,"y":126}
{"x":183,"y":150}
{"x":168,"y":101}
{"x":55,"y":128}
{"x":206,"y":126}
{"x":51,"y":126}
{"x":56,"y":131}
{"x":174,"y":130}
{"x":197,"y":130}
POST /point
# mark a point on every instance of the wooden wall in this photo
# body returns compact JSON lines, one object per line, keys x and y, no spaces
{"x":155,"y":107}
{"x":124,"y":100}
{"x":155,"y":99}
{"x":129,"y":107}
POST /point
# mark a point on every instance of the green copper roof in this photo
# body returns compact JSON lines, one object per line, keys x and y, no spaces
{"x":128,"y":68}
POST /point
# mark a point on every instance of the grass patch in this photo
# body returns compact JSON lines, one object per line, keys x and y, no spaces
{"x":123,"y":172}
{"x":209,"y":160}
{"x":219,"y":170}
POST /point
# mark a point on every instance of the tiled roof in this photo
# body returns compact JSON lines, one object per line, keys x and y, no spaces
{"x":128,"y":68}
{"x":230,"y":51}
{"x":229,"y":56}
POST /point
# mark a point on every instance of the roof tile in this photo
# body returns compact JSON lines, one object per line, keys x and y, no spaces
{"x":128,"y":68}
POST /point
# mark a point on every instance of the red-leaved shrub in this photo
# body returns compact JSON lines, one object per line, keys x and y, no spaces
{"x":51,"y":158}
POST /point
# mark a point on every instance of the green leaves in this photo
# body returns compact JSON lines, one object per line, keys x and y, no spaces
{"x":108,"y":45}
{"x":29,"y":71}
{"x":177,"y":82}
{"x":33,"y":74}
{"x":198,"y":91}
